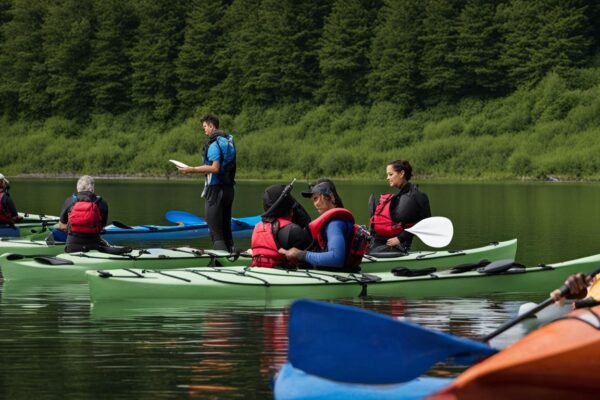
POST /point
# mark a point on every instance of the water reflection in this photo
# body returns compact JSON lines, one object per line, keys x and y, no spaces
{"x":53,"y":345}
{"x":199,"y":350}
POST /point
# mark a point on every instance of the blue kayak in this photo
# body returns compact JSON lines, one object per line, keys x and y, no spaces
{"x":295,"y":384}
{"x":241,"y":227}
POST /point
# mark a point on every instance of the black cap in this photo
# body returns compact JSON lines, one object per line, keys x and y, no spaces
{"x":271,"y":196}
{"x":321,"y":188}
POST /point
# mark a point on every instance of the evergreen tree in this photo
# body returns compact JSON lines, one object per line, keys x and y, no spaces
{"x":159,"y":37}
{"x":6,"y":103}
{"x":343,"y":54}
{"x":237,"y":34}
{"x":395,"y":53}
{"x":23,"y":83}
{"x":110,"y":68}
{"x":279,"y":60}
{"x":543,"y":35}
{"x":441,"y":73}
{"x":198,"y":69}
{"x":478,"y":47}
{"x":67,"y":35}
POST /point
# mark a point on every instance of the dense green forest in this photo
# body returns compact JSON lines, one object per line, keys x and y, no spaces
{"x":461,"y":88}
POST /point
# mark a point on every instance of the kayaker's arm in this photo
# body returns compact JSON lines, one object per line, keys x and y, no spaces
{"x":214,"y":168}
{"x":577,"y":284}
{"x":336,"y":248}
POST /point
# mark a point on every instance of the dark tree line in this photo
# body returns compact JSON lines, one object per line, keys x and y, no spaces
{"x":168,"y":58}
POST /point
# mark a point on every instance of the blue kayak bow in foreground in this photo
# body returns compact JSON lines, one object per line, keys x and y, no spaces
{"x":349,"y":344}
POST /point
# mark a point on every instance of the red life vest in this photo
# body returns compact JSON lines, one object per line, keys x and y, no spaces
{"x":5,"y":215}
{"x":264,"y":244}
{"x":382,"y":222}
{"x":85,"y":216}
{"x":356,"y":247}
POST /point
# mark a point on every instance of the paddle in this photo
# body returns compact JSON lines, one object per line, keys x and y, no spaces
{"x":350,"y":344}
{"x":286,"y":191}
{"x":564,"y":291}
{"x":184,"y":217}
{"x":433,"y":231}
{"x":121,"y":225}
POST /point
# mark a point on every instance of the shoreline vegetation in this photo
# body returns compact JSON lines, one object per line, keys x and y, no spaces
{"x":464,"y":90}
{"x":548,"y":132}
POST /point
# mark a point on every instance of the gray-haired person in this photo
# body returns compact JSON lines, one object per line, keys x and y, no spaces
{"x":83,"y":216}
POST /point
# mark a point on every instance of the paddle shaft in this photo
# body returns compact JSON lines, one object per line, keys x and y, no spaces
{"x":564,"y":291}
{"x":284,"y":193}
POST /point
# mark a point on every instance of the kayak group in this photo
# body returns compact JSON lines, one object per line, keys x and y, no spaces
{"x":331,"y":257}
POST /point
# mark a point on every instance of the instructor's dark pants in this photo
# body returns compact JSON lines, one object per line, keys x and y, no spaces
{"x":217,"y":211}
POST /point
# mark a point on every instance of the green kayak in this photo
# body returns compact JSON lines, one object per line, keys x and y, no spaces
{"x":70,"y":267}
{"x":30,"y":247}
{"x":273,"y":283}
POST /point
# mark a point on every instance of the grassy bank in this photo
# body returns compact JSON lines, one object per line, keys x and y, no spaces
{"x":548,"y":130}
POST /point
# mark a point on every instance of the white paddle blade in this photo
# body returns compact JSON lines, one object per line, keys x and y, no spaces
{"x":433,"y":231}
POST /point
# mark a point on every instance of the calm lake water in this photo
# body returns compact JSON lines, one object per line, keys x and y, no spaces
{"x":52,"y":345}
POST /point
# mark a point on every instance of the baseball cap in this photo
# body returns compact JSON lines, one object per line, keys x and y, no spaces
{"x":2,"y":178}
{"x":321,"y":188}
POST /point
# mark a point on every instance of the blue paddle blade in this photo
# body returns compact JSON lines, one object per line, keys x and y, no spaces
{"x":245,"y":222}
{"x":184,"y":217}
{"x":348,"y":344}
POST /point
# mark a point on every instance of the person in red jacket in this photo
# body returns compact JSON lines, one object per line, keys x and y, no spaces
{"x":83,"y":216}
{"x":391,"y":214}
{"x":283,"y":225}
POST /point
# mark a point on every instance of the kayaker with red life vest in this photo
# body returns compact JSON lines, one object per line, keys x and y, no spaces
{"x":219,"y":158}
{"x":8,"y":211}
{"x":283,"y":225}
{"x":392,"y":213}
{"x":83,"y":216}
{"x":340,"y":243}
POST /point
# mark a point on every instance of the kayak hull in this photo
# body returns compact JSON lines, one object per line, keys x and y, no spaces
{"x":418,"y":259}
{"x":272,"y":283}
{"x":505,"y":250}
{"x":294,"y":384}
{"x":29,"y":247}
{"x":71,"y":267}
{"x":556,"y":361}
{"x":241,"y":227}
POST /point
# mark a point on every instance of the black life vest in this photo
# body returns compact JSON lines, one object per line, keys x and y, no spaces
{"x":264,"y":244}
{"x":228,"y":158}
{"x":356,"y":246}
{"x":85,"y":215}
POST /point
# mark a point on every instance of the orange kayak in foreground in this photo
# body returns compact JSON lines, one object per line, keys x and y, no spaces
{"x":558,"y":360}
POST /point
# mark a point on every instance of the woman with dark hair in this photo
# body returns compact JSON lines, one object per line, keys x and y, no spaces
{"x":282,"y":226}
{"x":391,"y":214}
{"x":341,"y":244}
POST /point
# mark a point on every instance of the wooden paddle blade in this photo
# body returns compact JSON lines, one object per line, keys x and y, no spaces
{"x":348,"y":344}
{"x":433,"y":231}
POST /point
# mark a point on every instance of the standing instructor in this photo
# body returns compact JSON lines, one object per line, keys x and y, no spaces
{"x":219,"y":165}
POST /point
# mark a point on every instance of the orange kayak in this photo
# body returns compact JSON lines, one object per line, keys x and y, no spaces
{"x":556,"y":361}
